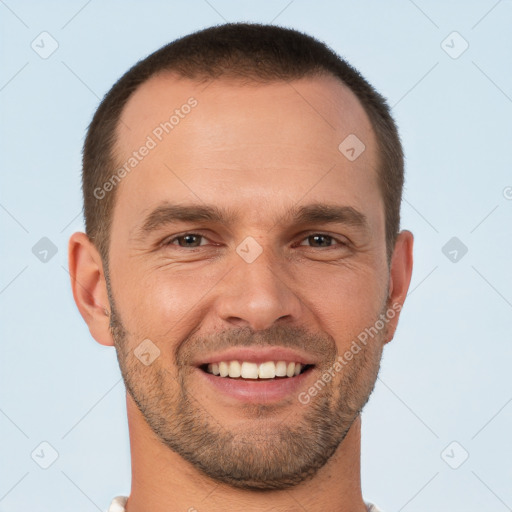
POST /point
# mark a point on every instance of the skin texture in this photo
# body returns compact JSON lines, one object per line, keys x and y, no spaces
{"x":258,"y":151}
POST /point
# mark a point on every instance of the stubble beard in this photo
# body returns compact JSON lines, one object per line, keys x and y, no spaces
{"x":263,"y":452}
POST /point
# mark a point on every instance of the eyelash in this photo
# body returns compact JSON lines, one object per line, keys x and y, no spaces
{"x":171,"y":240}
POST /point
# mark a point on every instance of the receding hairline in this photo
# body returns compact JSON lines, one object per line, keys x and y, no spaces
{"x":234,"y":79}
{"x":253,"y":52}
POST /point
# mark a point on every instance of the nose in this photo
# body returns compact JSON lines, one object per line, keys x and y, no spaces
{"x":258,"y":294}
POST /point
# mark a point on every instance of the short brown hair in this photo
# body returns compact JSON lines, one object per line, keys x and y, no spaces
{"x":250,"y":52}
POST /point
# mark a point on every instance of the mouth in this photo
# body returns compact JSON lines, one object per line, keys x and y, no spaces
{"x":256,"y":382}
{"x":256,"y":374}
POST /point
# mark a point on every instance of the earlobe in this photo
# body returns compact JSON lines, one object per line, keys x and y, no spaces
{"x":89,"y":286}
{"x":400,"y":277}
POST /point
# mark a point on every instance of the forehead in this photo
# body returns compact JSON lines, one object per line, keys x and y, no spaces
{"x":242,"y":146}
{"x":231,"y":111}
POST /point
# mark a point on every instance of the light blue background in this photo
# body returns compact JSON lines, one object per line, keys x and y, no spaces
{"x":447,"y":374}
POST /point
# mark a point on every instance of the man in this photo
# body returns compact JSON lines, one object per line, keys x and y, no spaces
{"x":242,"y":190}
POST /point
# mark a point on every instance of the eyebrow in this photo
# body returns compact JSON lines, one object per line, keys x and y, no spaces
{"x":321,"y":213}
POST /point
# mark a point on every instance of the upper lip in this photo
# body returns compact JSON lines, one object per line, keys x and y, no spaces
{"x":257,"y":355}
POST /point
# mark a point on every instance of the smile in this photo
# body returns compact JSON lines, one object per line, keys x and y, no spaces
{"x":248,"y":370}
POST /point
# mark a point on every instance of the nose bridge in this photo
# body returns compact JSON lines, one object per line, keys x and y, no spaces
{"x":257,"y":292}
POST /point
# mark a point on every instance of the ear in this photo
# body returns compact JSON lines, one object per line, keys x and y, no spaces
{"x":399,"y":278}
{"x":89,"y":286}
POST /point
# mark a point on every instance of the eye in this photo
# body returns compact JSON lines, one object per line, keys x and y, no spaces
{"x":193,"y":240}
{"x":189,"y":240}
{"x":323,"y":240}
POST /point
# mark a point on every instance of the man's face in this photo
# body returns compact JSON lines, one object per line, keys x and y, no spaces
{"x":262,"y":279}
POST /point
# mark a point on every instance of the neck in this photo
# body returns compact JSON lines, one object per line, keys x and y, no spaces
{"x":162,"y":481}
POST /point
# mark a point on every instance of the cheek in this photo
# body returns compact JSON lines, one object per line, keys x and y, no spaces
{"x":348,"y":301}
{"x":164,"y":302}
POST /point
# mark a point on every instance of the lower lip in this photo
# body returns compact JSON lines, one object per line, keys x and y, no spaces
{"x":258,"y":391}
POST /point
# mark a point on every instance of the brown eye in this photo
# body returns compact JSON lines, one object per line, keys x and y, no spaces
{"x":187,"y":240}
{"x":319,"y":240}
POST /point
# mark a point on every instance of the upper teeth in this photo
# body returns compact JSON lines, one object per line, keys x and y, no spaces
{"x":247,"y":370}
